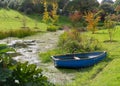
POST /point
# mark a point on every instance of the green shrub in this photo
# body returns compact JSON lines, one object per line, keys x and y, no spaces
{"x":28,"y":75}
{"x":100,"y":24}
{"x":74,"y":41}
{"x":91,"y":44}
{"x":118,"y":23}
{"x":23,"y":74}
{"x":3,"y":51}
{"x":20,"y":33}
{"x":110,"y":25}
{"x":19,"y":74}
{"x":4,"y":75}
{"x":3,"y":35}
{"x":52,"y":28}
{"x":5,"y":61}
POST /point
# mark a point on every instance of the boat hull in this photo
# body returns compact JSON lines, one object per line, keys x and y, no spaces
{"x":89,"y":60}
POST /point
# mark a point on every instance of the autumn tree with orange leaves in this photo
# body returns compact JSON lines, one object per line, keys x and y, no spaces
{"x":46,"y":16}
{"x":54,"y":16}
{"x":50,"y":16}
{"x":92,"y":20}
{"x":117,"y":9}
{"x":75,"y":17}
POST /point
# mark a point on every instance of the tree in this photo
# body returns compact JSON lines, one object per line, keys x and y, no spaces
{"x":92,"y":20}
{"x":117,"y":9}
{"x":54,"y":16}
{"x":107,"y":8}
{"x":117,"y":3}
{"x":4,"y":3}
{"x":75,"y":17}
{"x":107,"y":1}
{"x":117,"y":6}
{"x":82,"y":5}
{"x":65,"y":4}
{"x":14,"y":4}
{"x":38,"y":6}
{"x":110,"y":25}
{"x":62,"y":5}
{"x":37,"y":1}
{"x":46,"y":13}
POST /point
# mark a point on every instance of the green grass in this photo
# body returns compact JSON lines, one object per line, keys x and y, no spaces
{"x":63,"y":20}
{"x":106,"y":72}
{"x":83,"y":77}
{"x":110,"y":76}
{"x":20,"y":33}
{"x":45,"y":57}
{"x":11,"y":19}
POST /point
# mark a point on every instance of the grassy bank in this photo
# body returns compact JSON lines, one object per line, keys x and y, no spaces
{"x":105,"y":73}
{"x":11,"y":19}
{"x":110,"y":76}
{"x":98,"y":74}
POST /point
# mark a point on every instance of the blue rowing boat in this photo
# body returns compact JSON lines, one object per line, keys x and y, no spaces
{"x":78,"y":60}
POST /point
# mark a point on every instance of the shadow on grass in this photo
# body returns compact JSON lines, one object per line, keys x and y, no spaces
{"x":110,"y":41}
{"x":67,"y":70}
{"x":115,"y":56}
{"x":101,"y":33}
{"x":106,"y":60}
{"x":36,"y":17}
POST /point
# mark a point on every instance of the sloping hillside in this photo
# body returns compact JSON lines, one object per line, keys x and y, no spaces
{"x":107,"y":72}
{"x":11,"y":19}
{"x":110,"y":76}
